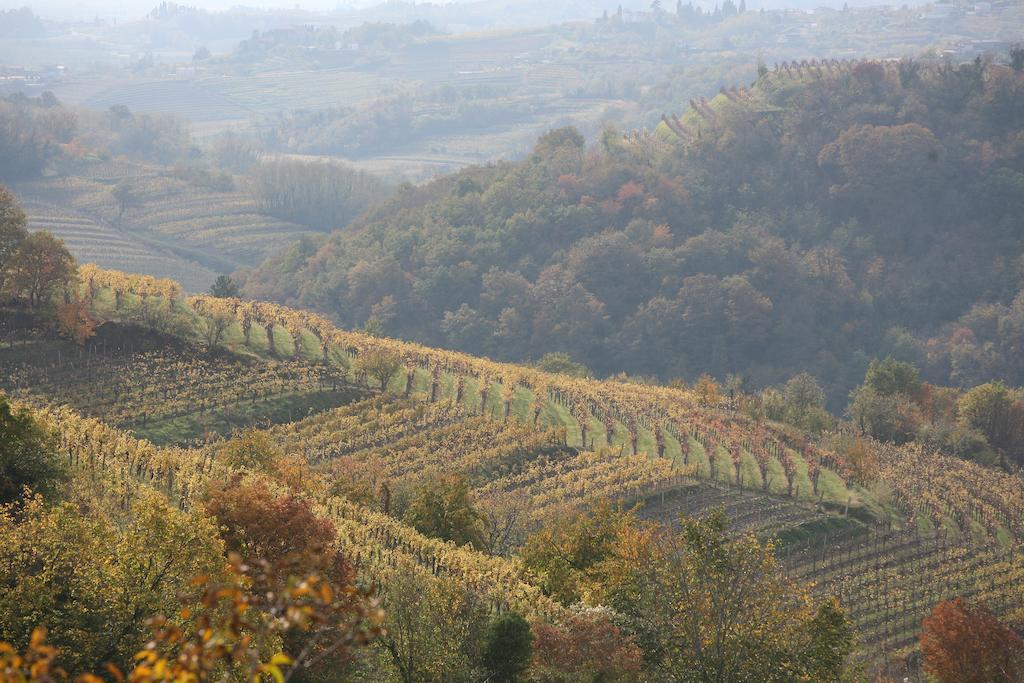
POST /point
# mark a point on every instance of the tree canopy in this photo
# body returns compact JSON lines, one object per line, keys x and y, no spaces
{"x":814,"y":223}
{"x":28,"y":454}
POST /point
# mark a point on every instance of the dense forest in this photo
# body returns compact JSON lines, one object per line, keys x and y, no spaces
{"x":36,"y":132}
{"x":825,"y":216}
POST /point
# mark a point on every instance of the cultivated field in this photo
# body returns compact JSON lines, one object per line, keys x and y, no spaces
{"x":544,"y":445}
{"x":170,"y":227}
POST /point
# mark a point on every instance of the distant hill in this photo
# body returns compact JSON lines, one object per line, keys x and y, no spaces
{"x":827,"y":214}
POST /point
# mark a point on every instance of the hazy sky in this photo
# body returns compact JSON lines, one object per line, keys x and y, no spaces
{"x":130,"y":9}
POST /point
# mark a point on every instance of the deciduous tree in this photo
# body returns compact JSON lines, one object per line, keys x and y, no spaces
{"x":709,"y":605}
{"x":41,"y":267}
{"x":961,"y":643}
{"x":507,"y":646}
{"x":433,"y":625}
{"x":12,"y":234}
{"x":380,"y":363}
{"x":443,"y":507}
{"x":75,"y":321}
{"x":585,"y":646}
{"x":93,"y":579}
{"x":987,"y":408}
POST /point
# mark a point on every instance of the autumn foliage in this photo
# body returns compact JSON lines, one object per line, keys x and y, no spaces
{"x":75,"y":321}
{"x":229,"y":630}
{"x":586,"y":646}
{"x":962,"y":643}
{"x":280,"y":528}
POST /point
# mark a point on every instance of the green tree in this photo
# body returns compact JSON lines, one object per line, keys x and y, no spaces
{"x":93,"y":579}
{"x":374,"y":327}
{"x":467,"y":330}
{"x":714,"y":606}
{"x":507,"y":647}
{"x":213,"y":324}
{"x":28,"y":454}
{"x":560,"y":362}
{"x":153,"y":313}
{"x":433,"y":626}
{"x":443,"y":507}
{"x":804,"y":401}
{"x":125,"y":196}
{"x":803,"y":392}
{"x":987,"y":408}
{"x":251,"y":449}
{"x":224,"y":287}
{"x":1017,"y":58}
{"x":379,"y":363}
{"x":890,"y":376}
{"x":887,"y":418}
{"x":564,"y":557}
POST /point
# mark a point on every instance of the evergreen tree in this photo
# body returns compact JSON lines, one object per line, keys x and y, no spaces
{"x":508,"y":645}
{"x":224,"y":287}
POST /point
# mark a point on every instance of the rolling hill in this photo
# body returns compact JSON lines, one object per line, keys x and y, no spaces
{"x":925,"y":528}
{"x":827,"y":214}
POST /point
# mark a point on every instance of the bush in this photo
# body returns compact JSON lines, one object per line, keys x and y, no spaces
{"x":508,"y":645}
{"x":28,"y":454}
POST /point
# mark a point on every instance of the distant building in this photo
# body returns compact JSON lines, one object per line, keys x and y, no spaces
{"x":19,"y":79}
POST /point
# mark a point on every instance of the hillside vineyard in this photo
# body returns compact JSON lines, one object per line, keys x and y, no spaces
{"x":478,"y":342}
{"x":534,"y":445}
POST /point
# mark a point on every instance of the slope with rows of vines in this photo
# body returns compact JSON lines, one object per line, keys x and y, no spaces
{"x":557,"y":442}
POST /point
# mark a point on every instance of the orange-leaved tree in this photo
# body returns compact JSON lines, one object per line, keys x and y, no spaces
{"x":75,"y":321}
{"x":963,"y":643}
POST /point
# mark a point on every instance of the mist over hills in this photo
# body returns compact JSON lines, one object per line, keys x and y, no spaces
{"x":455,"y":15}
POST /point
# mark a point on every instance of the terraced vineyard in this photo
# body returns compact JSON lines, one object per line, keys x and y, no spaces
{"x":890,"y":580}
{"x":172,"y":392}
{"x":270,"y":92}
{"x":505,"y":460}
{"x":171,"y":229}
{"x":544,"y":445}
{"x":184,"y":98}
{"x":228,"y":223}
{"x":97,"y":241}
{"x":748,"y":510}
